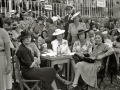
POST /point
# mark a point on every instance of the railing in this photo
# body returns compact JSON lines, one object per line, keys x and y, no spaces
{"x":87,"y":9}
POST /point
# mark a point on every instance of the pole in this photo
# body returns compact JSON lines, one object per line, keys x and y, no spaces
{"x":10,"y":5}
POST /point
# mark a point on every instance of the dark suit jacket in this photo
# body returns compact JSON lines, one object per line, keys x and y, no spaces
{"x":25,"y":56}
{"x":67,"y":22}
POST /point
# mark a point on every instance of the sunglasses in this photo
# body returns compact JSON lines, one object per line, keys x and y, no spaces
{"x":10,"y":34}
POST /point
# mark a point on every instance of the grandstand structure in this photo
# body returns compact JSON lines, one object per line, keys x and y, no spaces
{"x":88,"y":8}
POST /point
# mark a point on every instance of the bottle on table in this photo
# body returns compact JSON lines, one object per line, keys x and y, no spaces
{"x":58,"y":50}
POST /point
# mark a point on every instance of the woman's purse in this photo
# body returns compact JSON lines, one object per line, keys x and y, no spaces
{"x":78,"y":58}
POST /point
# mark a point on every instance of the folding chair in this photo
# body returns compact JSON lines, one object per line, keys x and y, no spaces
{"x":24,"y":82}
{"x":103,"y":71}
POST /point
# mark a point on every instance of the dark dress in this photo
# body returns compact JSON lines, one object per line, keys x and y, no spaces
{"x":46,"y":75}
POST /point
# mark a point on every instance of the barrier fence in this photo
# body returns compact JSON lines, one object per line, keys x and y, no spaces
{"x":88,"y":9}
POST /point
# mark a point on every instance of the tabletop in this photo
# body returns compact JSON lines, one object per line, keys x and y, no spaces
{"x":117,"y":50}
{"x":57,"y":57}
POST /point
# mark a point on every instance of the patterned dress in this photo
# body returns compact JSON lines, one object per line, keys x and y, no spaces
{"x":86,"y":48}
{"x":88,"y":71}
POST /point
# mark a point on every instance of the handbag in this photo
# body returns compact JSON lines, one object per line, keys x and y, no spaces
{"x":78,"y":58}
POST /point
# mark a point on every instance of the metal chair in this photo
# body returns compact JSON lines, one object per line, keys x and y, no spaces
{"x":24,"y":82}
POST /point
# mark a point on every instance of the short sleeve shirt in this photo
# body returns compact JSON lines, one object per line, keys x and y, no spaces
{"x":99,"y":50}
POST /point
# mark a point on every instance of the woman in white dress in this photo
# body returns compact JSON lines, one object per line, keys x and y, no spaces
{"x":5,"y":64}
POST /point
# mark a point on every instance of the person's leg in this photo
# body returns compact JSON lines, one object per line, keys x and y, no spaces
{"x":76,"y":78}
{"x":75,"y":81}
{"x":73,"y":63}
{"x":53,"y":85}
{"x":63,"y":80}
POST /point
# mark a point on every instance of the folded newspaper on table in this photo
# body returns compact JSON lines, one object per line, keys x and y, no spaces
{"x":49,"y":53}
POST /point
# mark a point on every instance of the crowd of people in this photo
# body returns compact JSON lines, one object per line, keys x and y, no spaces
{"x":29,"y":37}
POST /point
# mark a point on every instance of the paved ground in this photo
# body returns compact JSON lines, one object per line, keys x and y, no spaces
{"x":106,"y":84}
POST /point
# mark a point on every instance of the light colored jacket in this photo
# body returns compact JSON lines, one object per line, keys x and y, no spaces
{"x":64,"y":46}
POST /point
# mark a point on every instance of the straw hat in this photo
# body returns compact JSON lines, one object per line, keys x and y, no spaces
{"x":118,"y":29}
{"x":13,"y":12}
{"x":58,"y":32}
{"x":75,"y":15}
{"x":104,"y":32}
{"x":24,"y":34}
{"x":54,"y":18}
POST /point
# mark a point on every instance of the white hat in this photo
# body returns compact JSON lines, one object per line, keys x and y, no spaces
{"x":118,"y":29}
{"x":13,"y":12}
{"x":69,"y":5}
{"x":75,"y":15}
{"x":54,"y":18}
{"x":59,"y":17}
{"x":29,"y":10}
{"x":105,"y":32}
{"x":58,"y":32}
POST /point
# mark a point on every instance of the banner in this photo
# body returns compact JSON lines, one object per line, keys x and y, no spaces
{"x":48,"y":7}
{"x":101,"y":3}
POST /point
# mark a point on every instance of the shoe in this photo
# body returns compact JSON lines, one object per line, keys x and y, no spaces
{"x":85,"y":87}
{"x":66,"y":82}
{"x":72,"y":87}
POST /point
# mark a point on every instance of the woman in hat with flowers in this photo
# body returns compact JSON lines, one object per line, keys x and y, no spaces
{"x":28,"y":64}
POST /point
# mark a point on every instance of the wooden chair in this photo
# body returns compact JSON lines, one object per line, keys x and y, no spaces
{"x":103,"y":71}
{"x":24,"y":82}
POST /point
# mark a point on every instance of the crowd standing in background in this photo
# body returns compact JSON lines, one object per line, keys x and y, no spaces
{"x":29,"y":37}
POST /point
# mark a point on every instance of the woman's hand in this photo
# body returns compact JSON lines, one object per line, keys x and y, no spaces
{"x":100,"y":56}
{"x":93,"y":58}
{"x":37,"y":60}
{"x":8,"y":69}
{"x":80,"y":54}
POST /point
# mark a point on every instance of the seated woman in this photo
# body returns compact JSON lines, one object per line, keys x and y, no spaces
{"x":106,"y":39}
{"x":88,"y":71}
{"x":41,"y":43}
{"x":113,"y":34}
{"x":60,"y":47}
{"x":59,"y":41}
{"x":82,"y":45}
{"x":28,"y":64}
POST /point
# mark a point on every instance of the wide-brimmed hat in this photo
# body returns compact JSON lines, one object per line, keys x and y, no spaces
{"x":58,"y":32}
{"x":81,"y":31}
{"x":75,"y":15}
{"x":24,"y":34}
{"x":54,"y":18}
{"x":104,"y":32}
{"x":29,"y":11}
{"x":15,"y":25}
{"x":12,"y":12}
{"x":24,"y":13}
{"x":118,"y":29}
